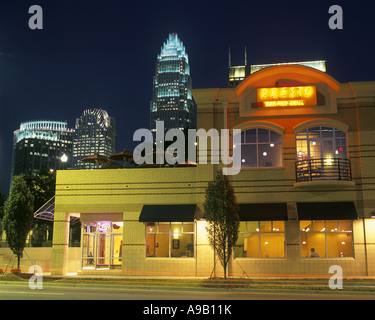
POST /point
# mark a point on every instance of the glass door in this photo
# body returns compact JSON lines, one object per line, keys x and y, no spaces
{"x":88,"y":251}
{"x":102,"y":245}
{"x":104,"y":251}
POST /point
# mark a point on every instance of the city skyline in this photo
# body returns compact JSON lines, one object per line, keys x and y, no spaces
{"x":104,"y":55}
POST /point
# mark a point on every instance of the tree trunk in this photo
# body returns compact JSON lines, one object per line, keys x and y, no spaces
{"x":18,"y":261}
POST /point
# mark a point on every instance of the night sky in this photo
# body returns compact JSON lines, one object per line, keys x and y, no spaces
{"x":93,"y":54}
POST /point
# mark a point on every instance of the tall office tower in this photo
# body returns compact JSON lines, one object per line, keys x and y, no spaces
{"x":41,"y":145}
{"x":94,"y":132}
{"x":172,"y":100}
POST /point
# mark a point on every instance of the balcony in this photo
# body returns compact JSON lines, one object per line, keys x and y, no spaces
{"x":323,"y":173}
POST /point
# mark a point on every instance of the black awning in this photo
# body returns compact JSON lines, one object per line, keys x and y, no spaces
{"x":168,"y":213}
{"x":327,"y":211}
{"x":263,"y":212}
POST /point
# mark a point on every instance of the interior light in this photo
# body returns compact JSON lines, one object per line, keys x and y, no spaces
{"x":243,"y":160}
{"x":264,"y":154}
{"x":328,"y":161}
{"x":272,"y":145}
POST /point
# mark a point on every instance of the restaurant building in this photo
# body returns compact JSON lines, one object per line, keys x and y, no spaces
{"x":305,"y":189}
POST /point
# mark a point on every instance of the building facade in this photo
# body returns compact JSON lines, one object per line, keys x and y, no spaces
{"x":41,"y":145}
{"x":172,"y":99}
{"x":305,"y":188}
{"x":95,"y":132}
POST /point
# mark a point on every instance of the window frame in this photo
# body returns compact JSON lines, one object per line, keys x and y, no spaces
{"x":321,"y":139}
{"x":170,"y":237}
{"x":259,"y":233}
{"x":258,"y":145}
{"x":325,"y":232}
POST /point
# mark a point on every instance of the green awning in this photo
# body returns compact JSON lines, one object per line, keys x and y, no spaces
{"x":263,"y":212}
{"x":327,"y":211}
{"x":168,"y":213}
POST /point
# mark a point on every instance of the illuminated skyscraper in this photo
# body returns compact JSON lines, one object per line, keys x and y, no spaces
{"x":172,"y":100}
{"x":94,"y":133}
{"x":41,"y":145}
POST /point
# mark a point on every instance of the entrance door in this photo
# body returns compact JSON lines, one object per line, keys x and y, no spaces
{"x":104,"y":251}
{"x":102,"y":245}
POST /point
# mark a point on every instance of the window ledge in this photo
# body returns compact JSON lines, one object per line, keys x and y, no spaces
{"x":262,"y":168}
{"x":169,"y":259}
{"x":326,"y":258}
{"x":324,"y":184}
{"x":266,"y":259}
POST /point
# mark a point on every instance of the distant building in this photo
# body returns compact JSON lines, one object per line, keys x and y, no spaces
{"x":236,"y":74}
{"x":41,"y":145}
{"x":94,"y":132}
{"x":172,"y":100}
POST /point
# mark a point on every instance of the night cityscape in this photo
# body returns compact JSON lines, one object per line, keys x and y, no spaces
{"x":294,"y":87}
{"x":91,"y":55}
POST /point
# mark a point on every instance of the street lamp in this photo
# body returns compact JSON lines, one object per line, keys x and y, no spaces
{"x":64,"y":160}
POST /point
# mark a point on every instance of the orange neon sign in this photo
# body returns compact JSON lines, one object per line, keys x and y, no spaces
{"x":287,"y":96}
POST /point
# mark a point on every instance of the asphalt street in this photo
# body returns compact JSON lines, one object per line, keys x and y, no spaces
{"x":21,"y":291}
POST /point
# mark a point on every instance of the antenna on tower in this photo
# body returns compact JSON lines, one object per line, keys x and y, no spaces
{"x":245,"y":57}
{"x":229,"y":58}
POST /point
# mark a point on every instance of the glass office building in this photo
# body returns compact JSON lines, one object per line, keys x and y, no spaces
{"x":172,"y":100}
{"x":41,"y":145}
{"x":95,"y":132}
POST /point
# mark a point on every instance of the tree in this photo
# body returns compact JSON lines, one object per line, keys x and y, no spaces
{"x":2,"y":201}
{"x":18,"y":216}
{"x":221,"y":213}
{"x":42,"y":186}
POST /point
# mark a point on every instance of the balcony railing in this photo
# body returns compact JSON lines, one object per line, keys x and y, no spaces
{"x":323,"y":169}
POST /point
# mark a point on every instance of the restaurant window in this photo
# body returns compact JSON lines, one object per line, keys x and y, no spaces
{"x":260,"y":239}
{"x":170,"y":239}
{"x":326,"y":238}
{"x":261,"y":148}
{"x":321,"y":142}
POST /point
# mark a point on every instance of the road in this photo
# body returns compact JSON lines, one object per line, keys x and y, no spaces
{"x":21,"y":291}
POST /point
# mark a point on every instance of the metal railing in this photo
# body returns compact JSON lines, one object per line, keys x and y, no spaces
{"x":323,"y":169}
